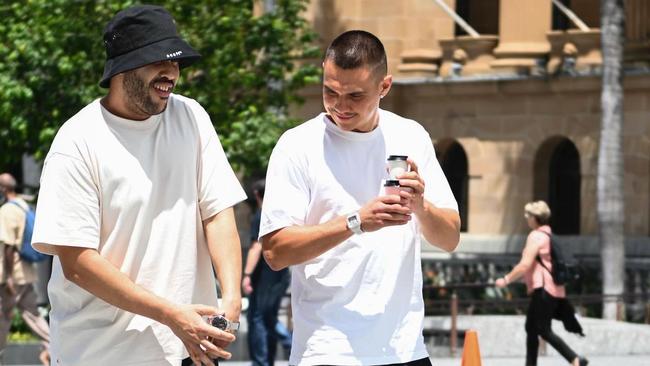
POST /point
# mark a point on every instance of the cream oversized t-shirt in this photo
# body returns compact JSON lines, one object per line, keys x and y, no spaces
{"x":360,"y":303}
{"x":137,"y":191}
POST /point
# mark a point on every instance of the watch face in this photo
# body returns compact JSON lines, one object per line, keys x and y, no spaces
{"x":219,"y":322}
{"x":353,"y":220}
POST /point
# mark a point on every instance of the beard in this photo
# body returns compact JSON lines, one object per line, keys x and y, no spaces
{"x":139,"y":96}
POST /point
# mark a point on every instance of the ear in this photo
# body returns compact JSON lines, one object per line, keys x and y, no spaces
{"x":386,"y":84}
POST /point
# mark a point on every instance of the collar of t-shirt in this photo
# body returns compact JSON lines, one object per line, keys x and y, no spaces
{"x":351,"y":135}
{"x":118,"y":121}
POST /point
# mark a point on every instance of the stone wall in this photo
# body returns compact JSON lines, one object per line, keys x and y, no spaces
{"x":502,"y":124}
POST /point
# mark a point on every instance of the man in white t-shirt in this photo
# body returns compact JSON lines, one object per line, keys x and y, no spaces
{"x":136,"y":205}
{"x":354,"y":250}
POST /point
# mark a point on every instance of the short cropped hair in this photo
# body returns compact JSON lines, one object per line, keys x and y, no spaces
{"x":357,"y":48}
{"x":539,"y":210}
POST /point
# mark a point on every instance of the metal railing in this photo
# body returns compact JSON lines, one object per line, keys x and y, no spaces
{"x":453,"y":304}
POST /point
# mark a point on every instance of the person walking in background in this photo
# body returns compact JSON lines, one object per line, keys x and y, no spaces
{"x":136,"y":204}
{"x":17,"y":276}
{"x":547,"y":300}
{"x":354,"y":249}
{"x":265,"y":289}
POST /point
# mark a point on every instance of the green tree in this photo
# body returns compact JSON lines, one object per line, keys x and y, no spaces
{"x":252,"y":68}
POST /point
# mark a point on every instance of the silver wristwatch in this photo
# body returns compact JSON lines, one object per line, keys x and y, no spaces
{"x":353,"y":222}
{"x":219,"y":321}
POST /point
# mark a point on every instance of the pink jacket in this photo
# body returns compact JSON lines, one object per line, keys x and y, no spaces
{"x":537,"y":276}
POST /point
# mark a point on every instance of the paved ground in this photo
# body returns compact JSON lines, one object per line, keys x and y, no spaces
{"x":515,"y":361}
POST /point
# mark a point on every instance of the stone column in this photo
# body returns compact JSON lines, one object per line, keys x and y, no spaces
{"x":423,"y":23}
{"x":523,"y":25}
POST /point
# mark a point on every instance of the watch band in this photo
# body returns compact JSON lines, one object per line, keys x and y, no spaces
{"x":232,"y":326}
{"x":353,"y":222}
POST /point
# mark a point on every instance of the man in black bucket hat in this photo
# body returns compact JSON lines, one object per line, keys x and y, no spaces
{"x":136,"y":204}
{"x":143,"y":35}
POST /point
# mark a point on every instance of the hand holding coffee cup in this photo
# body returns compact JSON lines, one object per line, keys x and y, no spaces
{"x":392,"y":187}
{"x":412,"y":187}
{"x":384,"y":210}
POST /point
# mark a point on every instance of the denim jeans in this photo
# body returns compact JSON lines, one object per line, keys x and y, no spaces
{"x":284,"y":336}
{"x":262,"y":315}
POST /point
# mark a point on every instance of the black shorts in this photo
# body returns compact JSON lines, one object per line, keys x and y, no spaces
{"x":188,"y":362}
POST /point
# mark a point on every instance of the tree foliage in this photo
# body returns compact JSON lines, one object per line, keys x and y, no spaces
{"x":252,"y":67}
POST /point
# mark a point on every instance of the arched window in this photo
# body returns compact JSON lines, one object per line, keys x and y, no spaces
{"x":557,"y":181}
{"x":453,"y":161}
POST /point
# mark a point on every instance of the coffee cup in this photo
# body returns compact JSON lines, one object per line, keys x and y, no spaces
{"x":392,"y":187}
{"x":397,"y":165}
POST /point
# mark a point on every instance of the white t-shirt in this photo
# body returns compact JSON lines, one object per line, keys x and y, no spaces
{"x":137,"y":191}
{"x":360,"y":302}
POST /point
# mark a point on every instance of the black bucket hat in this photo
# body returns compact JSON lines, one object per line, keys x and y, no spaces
{"x":142,"y":35}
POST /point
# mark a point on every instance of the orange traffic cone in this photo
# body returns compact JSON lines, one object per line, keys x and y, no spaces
{"x":471,"y":353}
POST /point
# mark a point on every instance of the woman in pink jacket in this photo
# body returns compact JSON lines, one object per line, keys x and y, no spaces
{"x":545,"y":295}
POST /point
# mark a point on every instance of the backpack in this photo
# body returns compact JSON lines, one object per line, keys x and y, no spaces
{"x":27,"y":252}
{"x":561,"y":272}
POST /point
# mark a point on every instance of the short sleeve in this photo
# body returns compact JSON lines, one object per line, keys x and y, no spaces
{"x":535,"y":240}
{"x":219,"y":187}
{"x":436,"y":186}
{"x":9,"y":224}
{"x":68,"y":210}
{"x":286,"y":196}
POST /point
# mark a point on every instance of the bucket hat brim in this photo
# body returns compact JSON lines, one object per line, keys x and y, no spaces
{"x":170,"y":49}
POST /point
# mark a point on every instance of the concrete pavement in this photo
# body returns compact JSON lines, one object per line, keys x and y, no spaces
{"x":641,"y":360}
